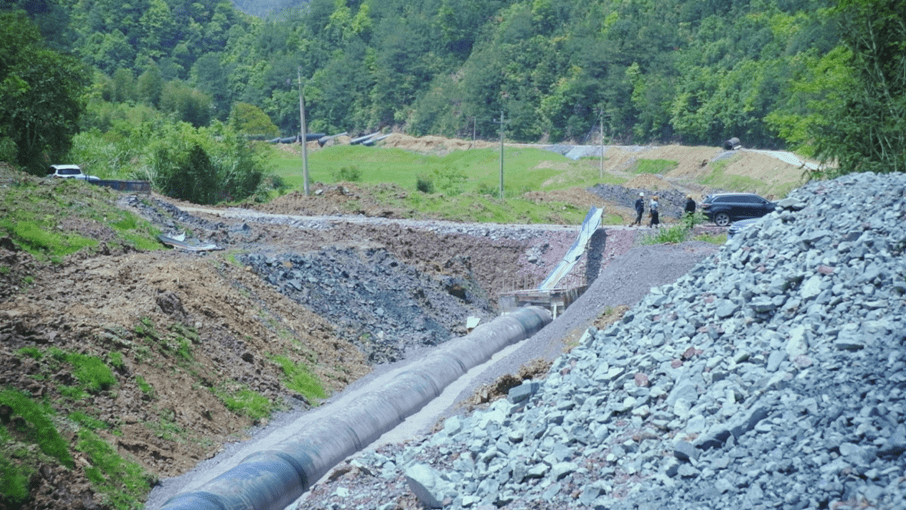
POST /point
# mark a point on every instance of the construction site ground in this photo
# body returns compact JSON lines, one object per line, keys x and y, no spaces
{"x":149,"y":306}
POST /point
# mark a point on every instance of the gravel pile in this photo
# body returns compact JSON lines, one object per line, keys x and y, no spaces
{"x":382,"y":304}
{"x":772,"y":375}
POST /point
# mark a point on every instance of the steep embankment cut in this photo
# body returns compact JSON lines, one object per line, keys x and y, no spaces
{"x":772,"y":375}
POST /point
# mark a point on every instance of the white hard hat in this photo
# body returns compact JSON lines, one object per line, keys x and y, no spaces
{"x":641,"y":194}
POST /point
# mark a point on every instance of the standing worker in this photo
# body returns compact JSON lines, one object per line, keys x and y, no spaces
{"x":639,"y":209}
{"x":690,"y":205}
{"x":655,"y":220}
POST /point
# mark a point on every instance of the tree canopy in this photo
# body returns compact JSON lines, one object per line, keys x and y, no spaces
{"x":776,"y":74}
{"x":40,"y":95}
{"x":865,"y":129}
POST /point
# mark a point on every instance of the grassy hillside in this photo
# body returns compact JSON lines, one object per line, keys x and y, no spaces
{"x":460,"y":185}
{"x":424,"y":177}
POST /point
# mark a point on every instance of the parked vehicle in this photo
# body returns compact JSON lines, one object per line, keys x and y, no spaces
{"x":726,"y":208}
{"x":738,"y":226}
{"x":69,"y":172}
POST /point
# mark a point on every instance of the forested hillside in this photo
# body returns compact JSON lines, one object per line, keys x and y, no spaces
{"x":665,"y":71}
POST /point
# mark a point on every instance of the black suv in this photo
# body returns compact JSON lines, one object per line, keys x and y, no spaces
{"x":728,"y":207}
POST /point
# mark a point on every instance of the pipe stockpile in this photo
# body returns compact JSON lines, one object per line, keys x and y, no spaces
{"x":273,"y":479}
{"x":295,"y":139}
{"x":361,"y":139}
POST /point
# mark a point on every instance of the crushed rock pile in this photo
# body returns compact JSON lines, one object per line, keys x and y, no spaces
{"x":383,"y":305}
{"x":772,"y":375}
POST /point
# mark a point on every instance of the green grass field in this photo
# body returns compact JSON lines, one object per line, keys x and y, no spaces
{"x":462,"y":185}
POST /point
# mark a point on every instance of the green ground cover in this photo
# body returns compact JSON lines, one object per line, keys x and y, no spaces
{"x":461,"y":185}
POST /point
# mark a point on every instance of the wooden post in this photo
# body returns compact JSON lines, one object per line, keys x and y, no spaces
{"x":302,"y":136}
{"x":501,"y":154}
{"x":602,"y":145}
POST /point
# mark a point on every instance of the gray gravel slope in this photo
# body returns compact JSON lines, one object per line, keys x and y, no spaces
{"x":624,"y":280}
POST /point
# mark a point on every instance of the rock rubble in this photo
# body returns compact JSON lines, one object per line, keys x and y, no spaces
{"x":382,"y":304}
{"x":772,"y":375}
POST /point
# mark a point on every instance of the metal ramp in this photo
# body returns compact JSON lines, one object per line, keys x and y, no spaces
{"x":550,"y":293}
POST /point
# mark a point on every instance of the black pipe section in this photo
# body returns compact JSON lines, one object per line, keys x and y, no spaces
{"x":273,"y":479}
{"x":372,"y":141}
{"x":325,"y":139}
{"x":361,"y":139}
{"x":295,"y":139}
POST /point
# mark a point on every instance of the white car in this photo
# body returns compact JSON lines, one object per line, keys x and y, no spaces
{"x":69,"y":172}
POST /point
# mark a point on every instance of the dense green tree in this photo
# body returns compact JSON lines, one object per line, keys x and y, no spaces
{"x":203,"y":166}
{"x":123,"y":86}
{"x":665,"y":71}
{"x":248,"y":119}
{"x":211,"y":76}
{"x":150,"y":84}
{"x":40,"y":95}
{"x":866,"y":131}
{"x":186,"y":103}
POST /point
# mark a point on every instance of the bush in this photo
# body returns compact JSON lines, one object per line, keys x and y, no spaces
{"x":449,"y":180}
{"x":424,"y":184}
{"x":206,"y":166}
{"x":675,"y":234}
{"x":349,"y":174}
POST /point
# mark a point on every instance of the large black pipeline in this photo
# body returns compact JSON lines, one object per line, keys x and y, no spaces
{"x":273,"y":479}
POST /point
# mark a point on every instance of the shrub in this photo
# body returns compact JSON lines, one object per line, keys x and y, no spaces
{"x":348,"y":173}
{"x":424,"y":184}
{"x":675,"y":234}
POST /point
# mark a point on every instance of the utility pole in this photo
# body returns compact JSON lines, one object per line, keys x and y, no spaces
{"x":601,"y":113}
{"x":602,"y":144}
{"x":501,"y":154}
{"x":302,"y":137}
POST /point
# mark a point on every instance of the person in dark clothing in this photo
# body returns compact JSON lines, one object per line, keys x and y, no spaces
{"x":655,"y":219}
{"x":690,"y":205}
{"x":639,"y":210}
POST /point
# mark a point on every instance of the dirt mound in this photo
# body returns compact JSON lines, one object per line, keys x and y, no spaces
{"x":436,"y":145}
{"x":620,"y":159}
{"x":187,"y":335}
{"x":331,"y":199}
{"x":580,"y":198}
